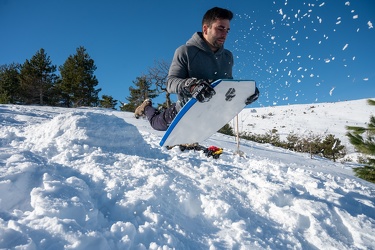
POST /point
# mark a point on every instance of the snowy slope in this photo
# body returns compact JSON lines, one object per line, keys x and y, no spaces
{"x":318,"y":119}
{"x":97,"y":179}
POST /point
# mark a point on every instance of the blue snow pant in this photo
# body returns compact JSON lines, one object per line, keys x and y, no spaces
{"x":160,"y":120}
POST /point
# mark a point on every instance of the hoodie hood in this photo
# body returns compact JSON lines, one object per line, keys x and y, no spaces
{"x":198,"y":41}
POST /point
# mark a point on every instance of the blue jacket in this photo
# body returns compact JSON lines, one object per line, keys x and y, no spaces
{"x":195,"y":59}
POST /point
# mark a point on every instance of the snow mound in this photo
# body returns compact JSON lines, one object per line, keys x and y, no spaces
{"x":82,"y":132}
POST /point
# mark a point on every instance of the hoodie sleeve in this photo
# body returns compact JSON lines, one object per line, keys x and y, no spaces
{"x":178,"y":71}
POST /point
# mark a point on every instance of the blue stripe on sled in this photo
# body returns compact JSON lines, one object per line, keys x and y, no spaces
{"x":180,"y":114}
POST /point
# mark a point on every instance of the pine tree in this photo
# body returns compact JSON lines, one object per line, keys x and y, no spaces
{"x":363,"y":139}
{"x":227,"y":130}
{"x":108,"y":102}
{"x":9,"y":83}
{"x":332,"y":148}
{"x":138,"y":94}
{"x":37,"y":77}
{"x":78,"y":81}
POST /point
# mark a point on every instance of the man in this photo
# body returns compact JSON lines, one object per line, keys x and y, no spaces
{"x":200,"y":61}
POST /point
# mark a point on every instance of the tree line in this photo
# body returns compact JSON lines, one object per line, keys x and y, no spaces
{"x":35,"y":82}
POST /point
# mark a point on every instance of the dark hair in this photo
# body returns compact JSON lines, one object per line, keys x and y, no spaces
{"x":216,"y":13}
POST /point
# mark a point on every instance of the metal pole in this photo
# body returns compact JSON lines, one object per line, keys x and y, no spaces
{"x":238,"y":152}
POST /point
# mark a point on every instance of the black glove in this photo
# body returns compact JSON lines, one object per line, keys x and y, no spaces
{"x":199,"y":89}
{"x":203,"y":92}
{"x":252,"y":98}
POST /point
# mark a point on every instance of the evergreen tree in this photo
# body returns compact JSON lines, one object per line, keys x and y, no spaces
{"x":9,"y":83}
{"x":56,"y":94}
{"x":227,"y":130}
{"x":78,"y":81}
{"x":108,"y":102}
{"x":37,"y":77}
{"x":332,"y":148}
{"x":138,"y":94}
{"x":363,"y":139}
{"x":314,"y":146}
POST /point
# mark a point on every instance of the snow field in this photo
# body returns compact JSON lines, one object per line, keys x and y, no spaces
{"x":97,"y":179}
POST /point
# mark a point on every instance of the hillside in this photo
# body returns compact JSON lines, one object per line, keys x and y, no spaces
{"x":96,"y":179}
{"x":319,"y":119}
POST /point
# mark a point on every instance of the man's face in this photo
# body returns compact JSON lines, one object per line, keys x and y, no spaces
{"x":216,"y":34}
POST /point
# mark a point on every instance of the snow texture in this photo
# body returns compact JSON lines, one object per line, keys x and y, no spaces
{"x":96,"y":179}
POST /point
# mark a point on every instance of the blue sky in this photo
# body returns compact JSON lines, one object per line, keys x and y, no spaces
{"x":297,"y":51}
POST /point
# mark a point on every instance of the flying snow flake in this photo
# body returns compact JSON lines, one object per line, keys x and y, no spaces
{"x":331,"y":91}
{"x":334,"y":145}
{"x":365,"y":79}
{"x":302,"y":29}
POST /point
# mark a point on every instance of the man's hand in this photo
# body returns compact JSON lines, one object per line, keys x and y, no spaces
{"x":203,"y":92}
{"x":199,"y":89}
{"x":252,"y":98}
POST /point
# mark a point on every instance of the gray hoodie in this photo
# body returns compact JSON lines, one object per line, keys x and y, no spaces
{"x":197,"y":60}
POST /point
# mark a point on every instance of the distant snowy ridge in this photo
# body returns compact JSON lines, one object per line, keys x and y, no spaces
{"x":302,"y":119}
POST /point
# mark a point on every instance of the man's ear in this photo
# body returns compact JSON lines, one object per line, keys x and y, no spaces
{"x":205,"y":28}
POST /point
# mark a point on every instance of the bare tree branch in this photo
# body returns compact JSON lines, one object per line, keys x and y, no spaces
{"x":158,"y":75}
